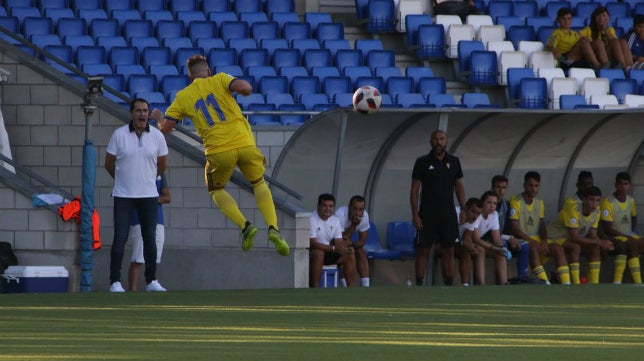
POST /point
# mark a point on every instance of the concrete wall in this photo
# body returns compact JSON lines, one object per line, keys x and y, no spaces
{"x":46,"y":128}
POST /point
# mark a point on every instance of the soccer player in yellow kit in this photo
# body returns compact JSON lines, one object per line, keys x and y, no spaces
{"x":228,"y":141}
{"x":576,"y":230}
{"x":618,"y":219}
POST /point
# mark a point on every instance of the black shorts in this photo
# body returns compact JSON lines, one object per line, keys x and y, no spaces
{"x":438,"y":229}
{"x":330,"y":258}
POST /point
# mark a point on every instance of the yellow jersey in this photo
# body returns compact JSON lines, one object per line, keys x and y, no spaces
{"x":529,"y":216}
{"x":214,"y":112}
{"x":563,"y":41}
{"x":619,"y":213}
{"x":572,"y":217}
{"x":588,"y":33}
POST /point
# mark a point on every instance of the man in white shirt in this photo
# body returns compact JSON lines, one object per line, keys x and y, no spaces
{"x":355,"y":218}
{"x":136,"y":155}
{"x":326,"y":243}
{"x":488,"y":237}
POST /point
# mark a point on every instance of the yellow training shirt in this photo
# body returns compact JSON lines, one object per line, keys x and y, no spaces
{"x":563,"y":41}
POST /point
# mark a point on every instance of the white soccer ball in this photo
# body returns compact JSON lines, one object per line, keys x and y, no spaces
{"x":367,"y":99}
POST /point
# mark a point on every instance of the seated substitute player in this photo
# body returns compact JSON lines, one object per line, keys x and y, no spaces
{"x":326,"y":243}
{"x":527,"y":220}
{"x":576,"y":230}
{"x":488,"y":236}
{"x":618,"y":220}
{"x":355,"y":218}
{"x":466,"y":248}
{"x":584,"y":181}
{"x":228,"y":141}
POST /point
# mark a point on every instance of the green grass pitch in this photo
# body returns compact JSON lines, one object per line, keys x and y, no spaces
{"x":519,"y":322}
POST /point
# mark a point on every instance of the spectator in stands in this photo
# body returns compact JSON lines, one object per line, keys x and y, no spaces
{"x":576,"y":230}
{"x":606,"y":46}
{"x":527,"y":222}
{"x":619,"y":221}
{"x":136,"y":155}
{"x":228,"y":140}
{"x":568,"y":46}
{"x":520,"y":249}
{"x":634,"y":42}
{"x":326,"y":243}
{"x":467,"y":249}
{"x":439,"y":176}
{"x":584,"y":180}
{"x":487,"y":237}
{"x":462,"y":8}
{"x":355,"y":218}
{"x":135,"y":233}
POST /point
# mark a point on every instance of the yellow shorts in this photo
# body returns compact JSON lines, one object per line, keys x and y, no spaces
{"x":559,"y":241}
{"x":220,"y":166}
{"x":624,"y":239}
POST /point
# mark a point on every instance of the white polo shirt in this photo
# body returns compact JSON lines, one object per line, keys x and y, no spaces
{"x":343,"y":215}
{"x":489,"y":223}
{"x":325,"y":231}
{"x":136,"y":161}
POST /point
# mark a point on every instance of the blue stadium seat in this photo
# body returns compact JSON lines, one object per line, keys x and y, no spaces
{"x":55,"y":14}
{"x":245,"y":101}
{"x":160,"y":71}
{"x":465,"y":49}
{"x":206,"y":44}
{"x":279,"y":99}
{"x":296,"y":30}
{"x":104,"y":27}
{"x":621,"y":87}
{"x":175,"y":43}
{"x":114,"y":81}
{"x":348,"y":57}
{"x":304,"y":85}
{"x":78,"y":40}
{"x":208,"y":6}
{"x":141,"y":83}
{"x":189,"y":16}
{"x":77,"y":5}
{"x":251,"y":18}
{"x":137,"y":29}
{"x":355,"y":72}
{"x":122,"y":55}
{"x":552,"y":7}
{"x":533,"y":93}
{"x":291,"y":72}
{"x":583,"y":9}
{"x":157,"y":15}
{"x":417,"y":72}
{"x":181,"y":56}
{"x":263,"y":119}
{"x":286,"y":57}
{"x":154,"y":55}
{"x":123,"y":15}
{"x":412,"y":25}
{"x":240,"y":44}
{"x":366,"y":45}
{"x":24,"y":12}
{"x":274,"y":6}
{"x":219,"y":17}
{"x":538,"y":21}
{"x":144,"y":42}
{"x":637,"y":74}
{"x":378,"y":58}
{"x":90,"y":54}
{"x":305,"y":44}
{"x":108,"y":42}
{"x":525,"y":9}
{"x":221,"y":56}
{"x":233,"y":30}
{"x":242,"y":6}
{"x":128,"y":70}
{"x":96,"y":69}
{"x":336,"y":84}
{"x":253,"y":57}
{"x":314,"y":19}
{"x":483,"y":68}
{"x":431,"y":42}
{"x":271,"y":44}
{"x":476,"y":100}
{"x":381,"y":17}
{"x":374,"y":81}
{"x":400,"y":237}
{"x":292,"y":119}
{"x":282,"y":18}
{"x":36,"y":25}
{"x":443,"y":100}
{"x":259,"y":71}
{"x":544,"y":33}
{"x":362,"y":10}
{"x":42,"y":40}
{"x":611,"y":74}
{"x":146,"y":5}
{"x":572,"y":101}
{"x":316,"y":57}
{"x":273,"y":84}
{"x":374,"y":248}
{"x":90,"y":14}
{"x":519,"y":33}
{"x":624,"y":23}
{"x":409,"y":100}
{"x":47,"y":4}
{"x":313,"y":101}
{"x":182,"y":5}
{"x":330,"y":31}
{"x":170,"y":84}
{"x":169,"y":29}
{"x":9,"y":4}
{"x":265,"y":30}
{"x":500,"y":8}
{"x":618,"y":9}
{"x":323,"y":72}
{"x":62,"y":52}
{"x":343,"y":100}
{"x":110,"y":5}
{"x":399,"y":85}
{"x":508,"y":21}
{"x":514,"y":78}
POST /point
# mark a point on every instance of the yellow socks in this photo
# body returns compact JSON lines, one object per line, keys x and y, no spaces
{"x":634,"y":265}
{"x":228,"y":207}
{"x":564,"y":274}
{"x":620,"y":266}
{"x":540,"y":273}
{"x":264,"y":200}
{"x":593,"y":272}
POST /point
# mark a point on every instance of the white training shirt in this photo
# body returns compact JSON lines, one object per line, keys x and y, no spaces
{"x":343,"y":215}
{"x":489,"y":223}
{"x":325,"y":231}
{"x":136,"y":161}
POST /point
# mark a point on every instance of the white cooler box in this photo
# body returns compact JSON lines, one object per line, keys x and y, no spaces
{"x":35,"y":279}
